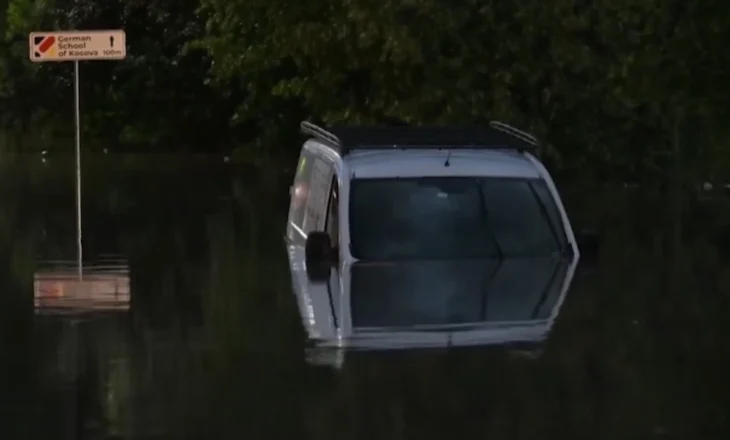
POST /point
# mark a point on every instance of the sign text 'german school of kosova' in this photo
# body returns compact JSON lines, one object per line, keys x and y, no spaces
{"x":77,"y":45}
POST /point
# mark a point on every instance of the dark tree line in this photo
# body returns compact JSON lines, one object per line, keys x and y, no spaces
{"x":622,"y":87}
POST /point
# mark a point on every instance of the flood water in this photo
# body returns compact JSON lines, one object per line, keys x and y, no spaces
{"x":184,"y":324}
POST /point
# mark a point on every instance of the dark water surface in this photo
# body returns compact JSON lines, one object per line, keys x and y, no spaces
{"x":184,"y":325}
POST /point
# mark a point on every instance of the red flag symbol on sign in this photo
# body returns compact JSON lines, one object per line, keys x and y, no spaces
{"x":43,"y":44}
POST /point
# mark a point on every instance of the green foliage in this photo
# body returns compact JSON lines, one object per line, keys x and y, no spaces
{"x":605,"y":83}
{"x":157,"y":97}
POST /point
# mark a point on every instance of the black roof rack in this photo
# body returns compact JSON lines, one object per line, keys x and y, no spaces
{"x":497,"y":136}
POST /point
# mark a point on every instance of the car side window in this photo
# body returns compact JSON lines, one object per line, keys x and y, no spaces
{"x":316,"y":209}
{"x":300,"y":194}
{"x":333,"y":221}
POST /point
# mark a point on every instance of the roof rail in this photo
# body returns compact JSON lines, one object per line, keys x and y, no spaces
{"x":318,"y":132}
{"x":497,"y":136}
{"x":527,"y":137}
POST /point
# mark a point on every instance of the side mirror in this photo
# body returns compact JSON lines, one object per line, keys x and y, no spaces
{"x":589,"y":242}
{"x":318,"y":255}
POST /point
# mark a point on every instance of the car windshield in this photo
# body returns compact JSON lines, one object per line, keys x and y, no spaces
{"x":453,"y":217}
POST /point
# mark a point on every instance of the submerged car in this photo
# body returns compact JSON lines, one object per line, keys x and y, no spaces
{"x":424,"y":211}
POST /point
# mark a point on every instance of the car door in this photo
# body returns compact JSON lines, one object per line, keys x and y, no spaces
{"x":307,"y":213}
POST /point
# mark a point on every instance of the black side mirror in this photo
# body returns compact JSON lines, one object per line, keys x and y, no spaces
{"x":589,"y":242}
{"x":318,"y":255}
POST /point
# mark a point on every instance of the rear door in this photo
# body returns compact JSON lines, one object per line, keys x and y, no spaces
{"x":308,"y":208}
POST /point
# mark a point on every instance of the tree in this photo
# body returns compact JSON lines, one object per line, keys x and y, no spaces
{"x":593,"y":78}
{"x":157,"y":97}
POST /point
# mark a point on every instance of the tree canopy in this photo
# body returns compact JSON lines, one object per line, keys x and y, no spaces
{"x":604,"y":83}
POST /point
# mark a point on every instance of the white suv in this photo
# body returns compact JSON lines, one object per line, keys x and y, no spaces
{"x":401,"y":195}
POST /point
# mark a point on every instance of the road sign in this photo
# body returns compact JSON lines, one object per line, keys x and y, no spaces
{"x":77,"y":46}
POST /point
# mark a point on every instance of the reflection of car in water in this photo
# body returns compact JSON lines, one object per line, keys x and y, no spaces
{"x":432,"y":304}
{"x":426,"y":237}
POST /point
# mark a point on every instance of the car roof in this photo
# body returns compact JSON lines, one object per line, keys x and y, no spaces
{"x":426,"y":162}
{"x":497,"y":150}
{"x":496,"y":135}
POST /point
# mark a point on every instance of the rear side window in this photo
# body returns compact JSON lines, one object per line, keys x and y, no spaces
{"x":310,"y":193}
{"x":300,"y":191}
{"x":319,"y":189}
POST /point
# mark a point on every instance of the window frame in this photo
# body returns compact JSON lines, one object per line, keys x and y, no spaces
{"x":334,"y":197}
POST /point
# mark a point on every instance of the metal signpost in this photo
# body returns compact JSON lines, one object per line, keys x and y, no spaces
{"x":77,"y":46}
